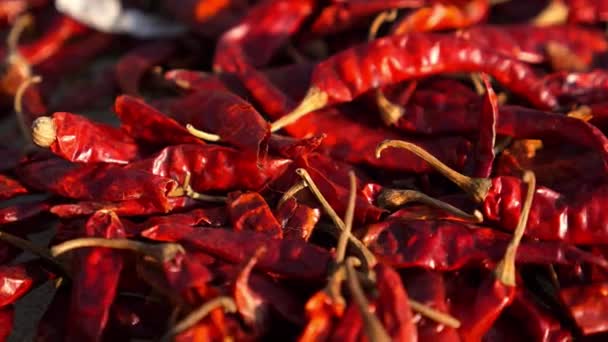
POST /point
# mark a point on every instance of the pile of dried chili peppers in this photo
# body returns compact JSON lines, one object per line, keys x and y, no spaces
{"x":337,"y":170}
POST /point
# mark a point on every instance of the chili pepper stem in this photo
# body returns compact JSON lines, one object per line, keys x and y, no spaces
{"x":44,"y":131}
{"x":315,"y":99}
{"x":373,"y":327}
{"x":15,"y":58}
{"x":187,"y":190}
{"x":476,"y":187}
{"x":384,"y":17}
{"x":202,"y":134}
{"x":505,"y":270}
{"x":435,"y":315}
{"x":555,"y":13}
{"x":390,"y":113}
{"x":292,"y":191}
{"x":334,"y":286}
{"x":224,"y":302}
{"x":348,"y":219}
{"x":18,"y":105}
{"x":365,"y":253}
{"x":396,"y":198}
{"x":160,"y":252}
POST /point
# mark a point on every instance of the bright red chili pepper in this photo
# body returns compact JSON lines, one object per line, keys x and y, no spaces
{"x":442,"y":15}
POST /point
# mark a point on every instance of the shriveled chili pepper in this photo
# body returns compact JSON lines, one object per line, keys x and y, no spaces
{"x":442,"y":15}
{"x":570,"y":218}
{"x":131,"y":68}
{"x":288,"y":258}
{"x":587,"y":305}
{"x":348,"y":74}
{"x":297,"y":220}
{"x":77,"y":139}
{"x":97,"y":272}
{"x":249,"y":211}
{"x":17,"y":280}
{"x":258,"y":36}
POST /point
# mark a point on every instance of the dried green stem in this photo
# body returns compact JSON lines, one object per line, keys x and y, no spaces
{"x":202,"y":134}
{"x":392,"y":198}
{"x":476,"y":187}
{"x":160,"y":252}
{"x":315,"y":99}
{"x":188,"y":191}
{"x":373,"y":327}
{"x":505,"y":270}
{"x":224,"y":302}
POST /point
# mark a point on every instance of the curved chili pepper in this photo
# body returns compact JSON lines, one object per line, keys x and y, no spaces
{"x":442,"y":15}
{"x":97,"y":272}
{"x":343,"y":15}
{"x":390,"y":60}
{"x":249,"y":211}
{"x":131,"y":68}
{"x":287,"y":258}
{"x":213,"y":168}
{"x":259,"y":35}
{"x":77,"y":139}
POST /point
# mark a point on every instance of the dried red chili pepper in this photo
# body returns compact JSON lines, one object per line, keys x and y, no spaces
{"x":577,"y":87}
{"x":131,"y":68}
{"x":213,"y":168}
{"x":17,"y":280}
{"x":77,"y":139}
{"x":10,"y":188}
{"x":575,"y":219}
{"x":249,"y":211}
{"x":287,"y":258}
{"x":350,"y":73}
{"x":297,"y":220}
{"x":22,"y":211}
{"x":488,"y":122}
{"x":97,"y":272}
{"x":123,"y":208}
{"x":588,"y":306}
{"x":442,"y":15}
{"x":259,"y":35}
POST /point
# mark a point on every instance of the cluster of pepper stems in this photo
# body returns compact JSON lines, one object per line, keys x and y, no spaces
{"x":337,"y":170}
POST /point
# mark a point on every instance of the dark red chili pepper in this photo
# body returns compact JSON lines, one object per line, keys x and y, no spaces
{"x":588,"y":306}
{"x":97,"y":272}
{"x":446,"y":246}
{"x":352,"y":72}
{"x":17,"y":280}
{"x":343,"y":15}
{"x":443,"y":15}
{"x":297,"y":220}
{"x":131,"y":68}
{"x":576,"y":218}
{"x":10,"y":188}
{"x":77,"y":139}
{"x":213,"y":168}
{"x":98,"y":182}
{"x":287,"y":258}
{"x":258,"y":36}
{"x":249,"y":211}
{"x":577,"y":87}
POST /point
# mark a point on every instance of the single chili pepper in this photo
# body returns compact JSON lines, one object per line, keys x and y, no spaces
{"x":391,"y":308}
{"x":249,"y":211}
{"x":574,"y":219}
{"x":354,"y":71}
{"x":535,"y":44}
{"x":587,"y":305}
{"x":17,"y":280}
{"x":297,"y":220}
{"x":99,"y":182}
{"x":10,"y":188}
{"x":446,"y":246}
{"x":261,"y":33}
{"x":77,"y":139}
{"x":443,"y":15}
{"x":97,"y":272}
{"x":223,"y":117}
{"x":287,"y":258}
{"x":344,"y":15}
{"x":132,"y":67}
{"x":213,"y":168}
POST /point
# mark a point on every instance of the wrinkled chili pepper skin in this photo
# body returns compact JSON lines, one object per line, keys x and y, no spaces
{"x":97,"y":272}
{"x":484,"y":150}
{"x":213,"y":167}
{"x":297,"y":220}
{"x":82,"y":140}
{"x":588,"y":306}
{"x":446,"y":246}
{"x":443,"y":15}
{"x":539,"y":322}
{"x":123,"y":208}
{"x":288,"y":258}
{"x":132,"y":67}
{"x":320,"y":311}
{"x":578,"y":87}
{"x":249,"y":211}
{"x":393,"y":59}
{"x":258,"y":36}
